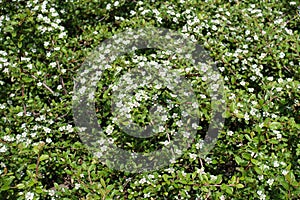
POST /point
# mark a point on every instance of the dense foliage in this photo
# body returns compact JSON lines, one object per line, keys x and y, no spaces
{"x":256,"y":45}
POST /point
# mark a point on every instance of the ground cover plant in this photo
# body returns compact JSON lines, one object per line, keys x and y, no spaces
{"x":256,"y":47}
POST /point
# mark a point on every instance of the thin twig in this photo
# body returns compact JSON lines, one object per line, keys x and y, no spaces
{"x":44,"y":84}
{"x":23,"y":94}
{"x":37,"y":167}
{"x":89,"y":174}
{"x":61,"y":79}
{"x":201,"y":163}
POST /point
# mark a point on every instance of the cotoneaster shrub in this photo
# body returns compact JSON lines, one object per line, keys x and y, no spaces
{"x":256,"y":48}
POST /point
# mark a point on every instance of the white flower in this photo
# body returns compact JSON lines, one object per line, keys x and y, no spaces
{"x":62,"y":35}
{"x":29,"y":196}
{"x":164,"y":118}
{"x":195,"y":126}
{"x":281,"y":55}
{"x":255,"y":37}
{"x":279,"y":136}
{"x":30,"y":66}
{"x":3,"y":149}
{"x":161,"y":129}
{"x":208,"y":160}
{"x":199,"y":145}
{"x":116,"y":3}
{"x":246,"y":116}
{"x":48,"y":140}
{"x":77,"y":186}
{"x":179,"y":123}
{"x":150,"y":176}
{"x":51,"y":192}
{"x":170,"y":170}
{"x":239,"y":105}
{"x":230,"y":133}
{"x":186,"y":134}
{"x":202,"y":96}
{"x":251,"y":89}
{"x":109,"y":129}
{"x":142,"y":181}
{"x":293,"y":3}
{"x":280,"y":80}
{"x":165,"y":143}
{"x":270,"y":181}
{"x":195,"y":105}
{"x":200,"y":171}
{"x":8,"y":138}
{"x":278,"y":21}
{"x":285,"y":172}
{"x":47,"y":130}
{"x":172,"y":160}
{"x":243,"y":83}
{"x":204,"y":68}
{"x":147,"y":195}
{"x":247,"y":32}
{"x":289,"y":31}
{"x":103,"y":148}
{"x":261,"y":195}
{"x":69,"y":128}
{"x":20,"y":114}
{"x":193,"y":156}
{"x":274,"y":116}
{"x":46,"y":44}
{"x":276,"y":164}
{"x":213,"y":177}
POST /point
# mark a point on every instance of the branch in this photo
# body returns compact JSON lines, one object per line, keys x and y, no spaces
{"x":44,"y":84}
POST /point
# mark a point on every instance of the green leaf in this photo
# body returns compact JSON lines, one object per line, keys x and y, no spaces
{"x":275,"y":125}
{"x":219,"y":180}
{"x":27,"y":79}
{"x":247,"y":137}
{"x":284,"y":183}
{"x":110,"y":187}
{"x":31,"y":166}
{"x":290,"y":177}
{"x":227,"y":189}
{"x":258,"y":170}
{"x":103,"y":182}
{"x":247,"y":156}
{"x":21,"y":186}
{"x":273,"y":141}
{"x":255,"y":162}
{"x":4,"y":187}
{"x":239,"y":160}
{"x":36,"y":149}
{"x":44,"y":157}
{"x":8,"y":29}
{"x":30,"y":183}
{"x":239,"y":185}
{"x":20,"y":45}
